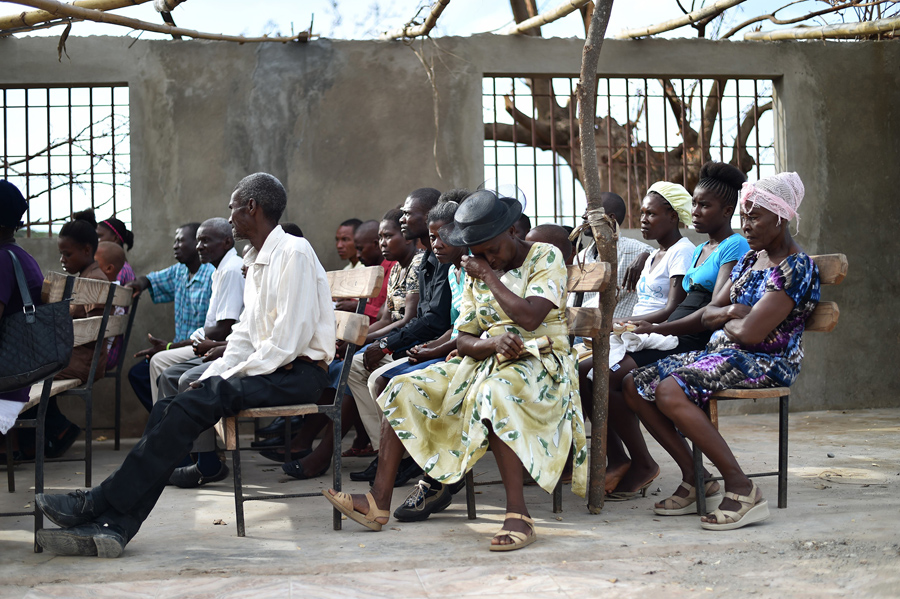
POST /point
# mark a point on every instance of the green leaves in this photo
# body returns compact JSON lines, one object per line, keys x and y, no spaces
{"x":425,"y":411}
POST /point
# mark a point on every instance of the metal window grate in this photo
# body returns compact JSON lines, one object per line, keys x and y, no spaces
{"x":67,"y":148}
{"x":531,"y":136}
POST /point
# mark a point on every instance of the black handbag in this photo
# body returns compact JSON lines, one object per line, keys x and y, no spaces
{"x":36,"y":343}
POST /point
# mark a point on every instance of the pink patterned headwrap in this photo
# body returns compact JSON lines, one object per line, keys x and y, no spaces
{"x":780,"y":194}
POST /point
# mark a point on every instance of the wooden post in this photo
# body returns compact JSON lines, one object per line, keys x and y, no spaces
{"x":605,"y":238}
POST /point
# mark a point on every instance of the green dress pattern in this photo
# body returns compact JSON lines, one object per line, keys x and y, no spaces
{"x":532,"y":403}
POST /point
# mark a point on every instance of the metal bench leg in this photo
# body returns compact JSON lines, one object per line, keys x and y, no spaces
{"x":10,"y":468}
{"x":39,"y":459}
{"x":336,"y":462}
{"x":88,"y":435}
{"x":118,"y":424}
{"x":782,"y":450}
{"x":699,"y":480}
{"x":470,"y":494}
{"x":557,"y":498}
{"x":238,"y":488}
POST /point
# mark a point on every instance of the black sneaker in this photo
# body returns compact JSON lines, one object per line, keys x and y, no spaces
{"x":407,"y":470}
{"x":423,"y":501}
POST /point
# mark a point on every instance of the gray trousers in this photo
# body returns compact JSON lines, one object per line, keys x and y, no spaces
{"x":176,"y":379}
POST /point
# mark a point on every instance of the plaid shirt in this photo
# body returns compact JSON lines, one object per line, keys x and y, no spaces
{"x":190,"y":293}
{"x":627,"y":249}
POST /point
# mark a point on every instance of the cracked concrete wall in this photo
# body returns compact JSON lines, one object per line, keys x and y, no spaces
{"x":350,"y":128}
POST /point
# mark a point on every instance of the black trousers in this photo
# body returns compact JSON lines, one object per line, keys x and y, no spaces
{"x":175,"y":422}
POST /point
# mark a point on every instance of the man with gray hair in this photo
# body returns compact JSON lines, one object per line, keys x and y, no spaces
{"x":215,"y":245}
{"x":274,"y":357}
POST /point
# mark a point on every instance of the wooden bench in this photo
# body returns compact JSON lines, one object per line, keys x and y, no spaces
{"x":357,"y":283}
{"x":97,"y":329}
{"x":832,"y":270}
{"x":582,"y":322}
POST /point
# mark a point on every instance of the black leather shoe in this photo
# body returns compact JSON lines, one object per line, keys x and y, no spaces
{"x":276,"y":427}
{"x":423,"y":501}
{"x":368,"y":474}
{"x":408,"y":469}
{"x":268,"y":443}
{"x":73,"y":509}
{"x":190,"y":477}
{"x":57,"y":446}
{"x":88,"y":539}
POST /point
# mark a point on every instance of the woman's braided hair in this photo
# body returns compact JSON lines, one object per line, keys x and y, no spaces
{"x":722,"y":179}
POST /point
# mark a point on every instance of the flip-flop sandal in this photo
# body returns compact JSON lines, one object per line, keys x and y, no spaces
{"x":520,"y":539}
{"x":682,"y":506}
{"x":752,"y":510}
{"x":343,"y":502}
{"x":296,"y":470}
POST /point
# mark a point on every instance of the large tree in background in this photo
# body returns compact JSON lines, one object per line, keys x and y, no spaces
{"x":553,"y":124}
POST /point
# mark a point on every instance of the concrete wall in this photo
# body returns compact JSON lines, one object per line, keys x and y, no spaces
{"x":351,"y":127}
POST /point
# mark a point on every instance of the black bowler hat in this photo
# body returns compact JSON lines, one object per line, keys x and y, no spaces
{"x":12,"y":205}
{"x":481,"y":217}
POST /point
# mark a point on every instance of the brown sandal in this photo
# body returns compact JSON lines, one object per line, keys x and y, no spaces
{"x":520,"y":539}
{"x":343,"y":502}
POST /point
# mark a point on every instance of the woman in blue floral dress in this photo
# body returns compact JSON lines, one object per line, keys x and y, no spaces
{"x":758,"y":320}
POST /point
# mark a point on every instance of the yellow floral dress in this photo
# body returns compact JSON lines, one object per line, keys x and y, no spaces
{"x":532,"y":403}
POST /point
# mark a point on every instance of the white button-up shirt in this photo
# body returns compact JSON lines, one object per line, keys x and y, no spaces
{"x":227,"y":299}
{"x":287,"y":311}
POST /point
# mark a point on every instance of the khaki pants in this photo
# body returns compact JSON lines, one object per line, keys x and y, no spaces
{"x":162,"y":360}
{"x":369,"y":411}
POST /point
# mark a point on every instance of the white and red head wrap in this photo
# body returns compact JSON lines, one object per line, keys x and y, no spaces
{"x":780,"y":194}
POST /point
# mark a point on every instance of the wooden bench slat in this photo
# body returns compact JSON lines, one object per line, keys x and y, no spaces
{"x":86,"y":329}
{"x":824,"y":318}
{"x":752,"y":393}
{"x":832,"y":268}
{"x":351,"y":327}
{"x":84,"y":291}
{"x":593,"y":277}
{"x":34,"y":395}
{"x":583,"y":322}
{"x":356,"y":282}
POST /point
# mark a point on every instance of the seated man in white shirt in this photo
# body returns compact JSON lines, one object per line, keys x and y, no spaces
{"x":215,"y":245}
{"x":276,"y":355}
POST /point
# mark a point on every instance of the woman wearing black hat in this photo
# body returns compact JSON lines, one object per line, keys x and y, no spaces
{"x":12,"y":207}
{"x":510,"y":390}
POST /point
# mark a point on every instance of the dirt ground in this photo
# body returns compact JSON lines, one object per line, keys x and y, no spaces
{"x":838,"y":537}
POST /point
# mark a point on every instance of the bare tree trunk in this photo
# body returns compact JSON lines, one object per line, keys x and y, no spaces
{"x":605,"y":237}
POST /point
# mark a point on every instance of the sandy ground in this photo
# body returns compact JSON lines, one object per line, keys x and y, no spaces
{"x":840,"y":535}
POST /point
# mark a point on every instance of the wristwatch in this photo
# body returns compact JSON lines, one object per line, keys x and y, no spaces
{"x":382,"y":345}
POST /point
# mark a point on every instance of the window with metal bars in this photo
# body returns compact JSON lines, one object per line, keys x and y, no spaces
{"x":67,"y":148}
{"x":646,"y":130}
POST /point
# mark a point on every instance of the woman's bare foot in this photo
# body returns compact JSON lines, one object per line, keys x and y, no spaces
{"x":614,"y":475}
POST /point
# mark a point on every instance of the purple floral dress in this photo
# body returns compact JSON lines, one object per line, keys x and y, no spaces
{"x":725,"y":364}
